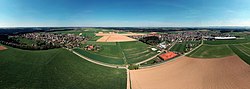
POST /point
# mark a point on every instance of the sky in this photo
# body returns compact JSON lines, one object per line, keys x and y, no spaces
{"x":124,"y":13}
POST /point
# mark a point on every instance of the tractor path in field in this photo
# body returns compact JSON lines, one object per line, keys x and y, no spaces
{"x":96,"y":62}
{"x":171,"y":59}
{"x":106,"y":65}
{"x":155,"y":55}
{"x":194,"y":48}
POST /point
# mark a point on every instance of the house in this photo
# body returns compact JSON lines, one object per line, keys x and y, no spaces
{"x":167,"y":56}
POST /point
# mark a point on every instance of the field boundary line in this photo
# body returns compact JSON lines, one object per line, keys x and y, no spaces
{"x":124,"y":56}
{"x":227,"y":44}
{"x":231,"y":49}
{"x":243,"y":52}
{"x":128,"y":78}
{"x":139,"y":63}
{"x":194,"y":49}
{"x":97,"y":62}
{"x":239,"y":56}
{"x":245,"y":46}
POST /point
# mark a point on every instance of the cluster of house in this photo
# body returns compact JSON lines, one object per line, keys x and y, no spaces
{"x":92,"y":48}
{"x":64,"y":40}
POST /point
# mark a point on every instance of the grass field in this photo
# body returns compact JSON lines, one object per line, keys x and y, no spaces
{"x":242,"y":51}
{"x":222,"y":48}
{"x":120,"y":52}
{"x":181,"y":47}
{"x":102,"y":58}
{"x":55,"y":69}
{"x":136,"y":51}
{"x":221,"y":42}
{"x":26,"y":41}
{"x":95,"y":38}
{"x":211,"y":51}
{"x":88,"y":32}
{"x":100,"y":43}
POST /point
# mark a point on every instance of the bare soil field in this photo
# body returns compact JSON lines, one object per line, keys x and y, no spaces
{"x":3,"y":48}
{"x":115,"y":38}
{"x":194,"y":73}
{"x":127,"y":34}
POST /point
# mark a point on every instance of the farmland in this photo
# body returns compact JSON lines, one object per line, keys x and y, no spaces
{"x":87,"y":32}
{"x":26,"y":41}
{"x":242,"y":51}
{"x":223,"y":42}
{"x":136,"y":51}
{"x":218,"y":50}
{"x":212,"y":51}
{"x":120,"y":53}
{"x":55,"y":69}
{"x":184,"y":46}
{"x":244,"y":39}
{"x":101,"y":58}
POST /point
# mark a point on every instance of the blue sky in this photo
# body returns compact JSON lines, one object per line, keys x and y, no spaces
{"x":136,"y":13}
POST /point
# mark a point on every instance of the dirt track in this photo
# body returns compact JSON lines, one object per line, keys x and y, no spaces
{"x":2,"y":48}
{"x":191,"y":73}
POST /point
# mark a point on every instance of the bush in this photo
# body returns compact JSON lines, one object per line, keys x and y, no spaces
{"x":133,"y":67}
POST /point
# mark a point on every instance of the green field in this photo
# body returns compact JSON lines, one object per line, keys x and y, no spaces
{"x":243,"y":51}
{"x":120,"y":53}
{"x":88,"y":32}
{"x":211,"y":51}
{"x":181,"y":47}
{"x":95,"y":38}
{"x":136,"y":51}
{"x":223,"y":42}
{"x":100,"y":43}
{"x":223,"y":50}
{"x":98,"y":57}
{"x":26,"y":41}
{"x":55,"y":69}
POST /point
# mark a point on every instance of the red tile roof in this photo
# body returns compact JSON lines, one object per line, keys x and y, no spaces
{"x":168,"y":55}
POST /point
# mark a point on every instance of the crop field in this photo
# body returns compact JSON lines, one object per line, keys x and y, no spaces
{"x":136,"y":51}
{"x":95,"y":38}
{"x":244,"y":39}
{"x":55,"y":69}
{"x":181,"y":47}
{"x":243,"y":51}
{"x":221,"y":42}
{"x":120,"y":53}
{"x":211,"y":51}
{"x":97,"y":57}
{"x":100,"y":43}
{"x":222,"y":50}
{"x":88,"y":32}
{"x":26,"y":41}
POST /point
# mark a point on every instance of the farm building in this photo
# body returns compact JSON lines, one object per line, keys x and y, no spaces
{"x":224,"y":38}
{"x":220,"y":38}
{"x":168,"y":55}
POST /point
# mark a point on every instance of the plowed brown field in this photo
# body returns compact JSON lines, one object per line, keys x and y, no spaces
{"x":2,"y":48}
{"x":192,"y":73}
{"x":115,"y":38}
